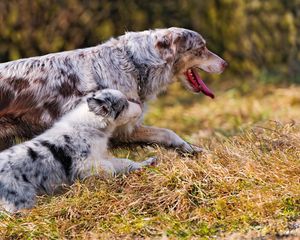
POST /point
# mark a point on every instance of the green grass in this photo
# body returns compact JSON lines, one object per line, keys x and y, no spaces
{"x":247,"y":185}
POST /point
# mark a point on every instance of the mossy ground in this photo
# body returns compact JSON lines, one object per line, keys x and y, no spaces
{"x":247,"y":185}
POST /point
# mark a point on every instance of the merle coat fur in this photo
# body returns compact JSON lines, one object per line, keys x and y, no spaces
{"x":34,"y":92}
{"x":75,"y":147}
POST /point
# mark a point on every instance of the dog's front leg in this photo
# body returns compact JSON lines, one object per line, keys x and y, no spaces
{"x":163,"y":137}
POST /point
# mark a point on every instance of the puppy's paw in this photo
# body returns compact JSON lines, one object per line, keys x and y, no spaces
{"x":152,"y":161}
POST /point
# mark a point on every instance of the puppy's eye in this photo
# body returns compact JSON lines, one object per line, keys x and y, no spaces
{"x":120,"y":111}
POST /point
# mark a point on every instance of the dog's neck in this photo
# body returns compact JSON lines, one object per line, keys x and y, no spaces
{"x":151,"y":78}
{"x":132,"y":73}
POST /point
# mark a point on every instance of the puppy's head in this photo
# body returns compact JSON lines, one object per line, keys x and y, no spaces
{"x":187,"y":51}
{"x":114,"y":107}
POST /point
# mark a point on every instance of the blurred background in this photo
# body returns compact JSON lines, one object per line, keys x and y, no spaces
{"x":258,"y":38}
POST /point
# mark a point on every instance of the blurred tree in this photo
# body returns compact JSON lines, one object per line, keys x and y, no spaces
{"x":253,"y":35}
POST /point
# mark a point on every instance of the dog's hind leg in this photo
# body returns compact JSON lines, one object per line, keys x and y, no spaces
{"x":8,"y":131}
{"x":5,"y":143}
{"x":12,"y":127}
{"x":163,"y":137}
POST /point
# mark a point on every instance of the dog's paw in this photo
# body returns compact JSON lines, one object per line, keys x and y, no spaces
{"x":190,"y":149}
{"x":198,"y":149}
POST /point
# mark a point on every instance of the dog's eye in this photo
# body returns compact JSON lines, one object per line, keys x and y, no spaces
{"x":199,"y":51}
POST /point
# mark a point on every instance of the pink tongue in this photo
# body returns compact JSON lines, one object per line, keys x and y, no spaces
{"x":204,"y":88}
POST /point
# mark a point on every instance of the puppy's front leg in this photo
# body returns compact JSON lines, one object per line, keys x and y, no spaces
{"x":164,"y":137}
{"x":114,"y":167}
{"x":125,"y":166}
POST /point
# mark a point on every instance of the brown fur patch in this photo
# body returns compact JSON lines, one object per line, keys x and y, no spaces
{"x":20,"y":106}
{"x":6,"y":96}
{"x":21,"y":117}
{"x":18,"y":84}
{"x":23,"y":126}
{"x":69,"y":86}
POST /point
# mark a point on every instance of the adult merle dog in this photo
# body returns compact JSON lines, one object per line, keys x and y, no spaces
{"x":34,"y":92}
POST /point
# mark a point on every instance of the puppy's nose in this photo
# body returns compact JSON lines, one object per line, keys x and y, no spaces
{"x":224,"y":64}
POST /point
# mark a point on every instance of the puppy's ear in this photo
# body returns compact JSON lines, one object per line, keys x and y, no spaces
{"x":98,"y":106}
{"x":164,"y":44}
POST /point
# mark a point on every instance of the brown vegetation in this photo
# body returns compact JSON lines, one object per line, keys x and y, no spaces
{"x":247,"y":183}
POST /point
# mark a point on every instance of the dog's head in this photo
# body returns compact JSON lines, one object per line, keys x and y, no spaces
{"x":187,"y":51}
{"x":114,"y":107}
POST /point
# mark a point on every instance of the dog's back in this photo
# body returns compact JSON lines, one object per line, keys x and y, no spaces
{"x":36,"y":91}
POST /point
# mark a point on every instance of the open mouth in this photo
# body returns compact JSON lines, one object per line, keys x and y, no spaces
{"x":197,"y":83}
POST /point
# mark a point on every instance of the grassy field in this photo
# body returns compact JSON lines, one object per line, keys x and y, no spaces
{"x":246,"y":186}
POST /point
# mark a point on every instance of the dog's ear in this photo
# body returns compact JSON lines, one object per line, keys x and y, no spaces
{"x":164,"y":41}
{"x":164,"y":44}
{"x":98,"y":106}
{"x":186,"y":40}
{"x":180,"y":42}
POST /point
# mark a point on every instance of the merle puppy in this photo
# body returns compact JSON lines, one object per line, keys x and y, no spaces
{"x":34,"y":92}
{"x":75,"y":147}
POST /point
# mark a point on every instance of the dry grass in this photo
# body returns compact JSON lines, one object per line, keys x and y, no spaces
{"x":247,"y":186}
